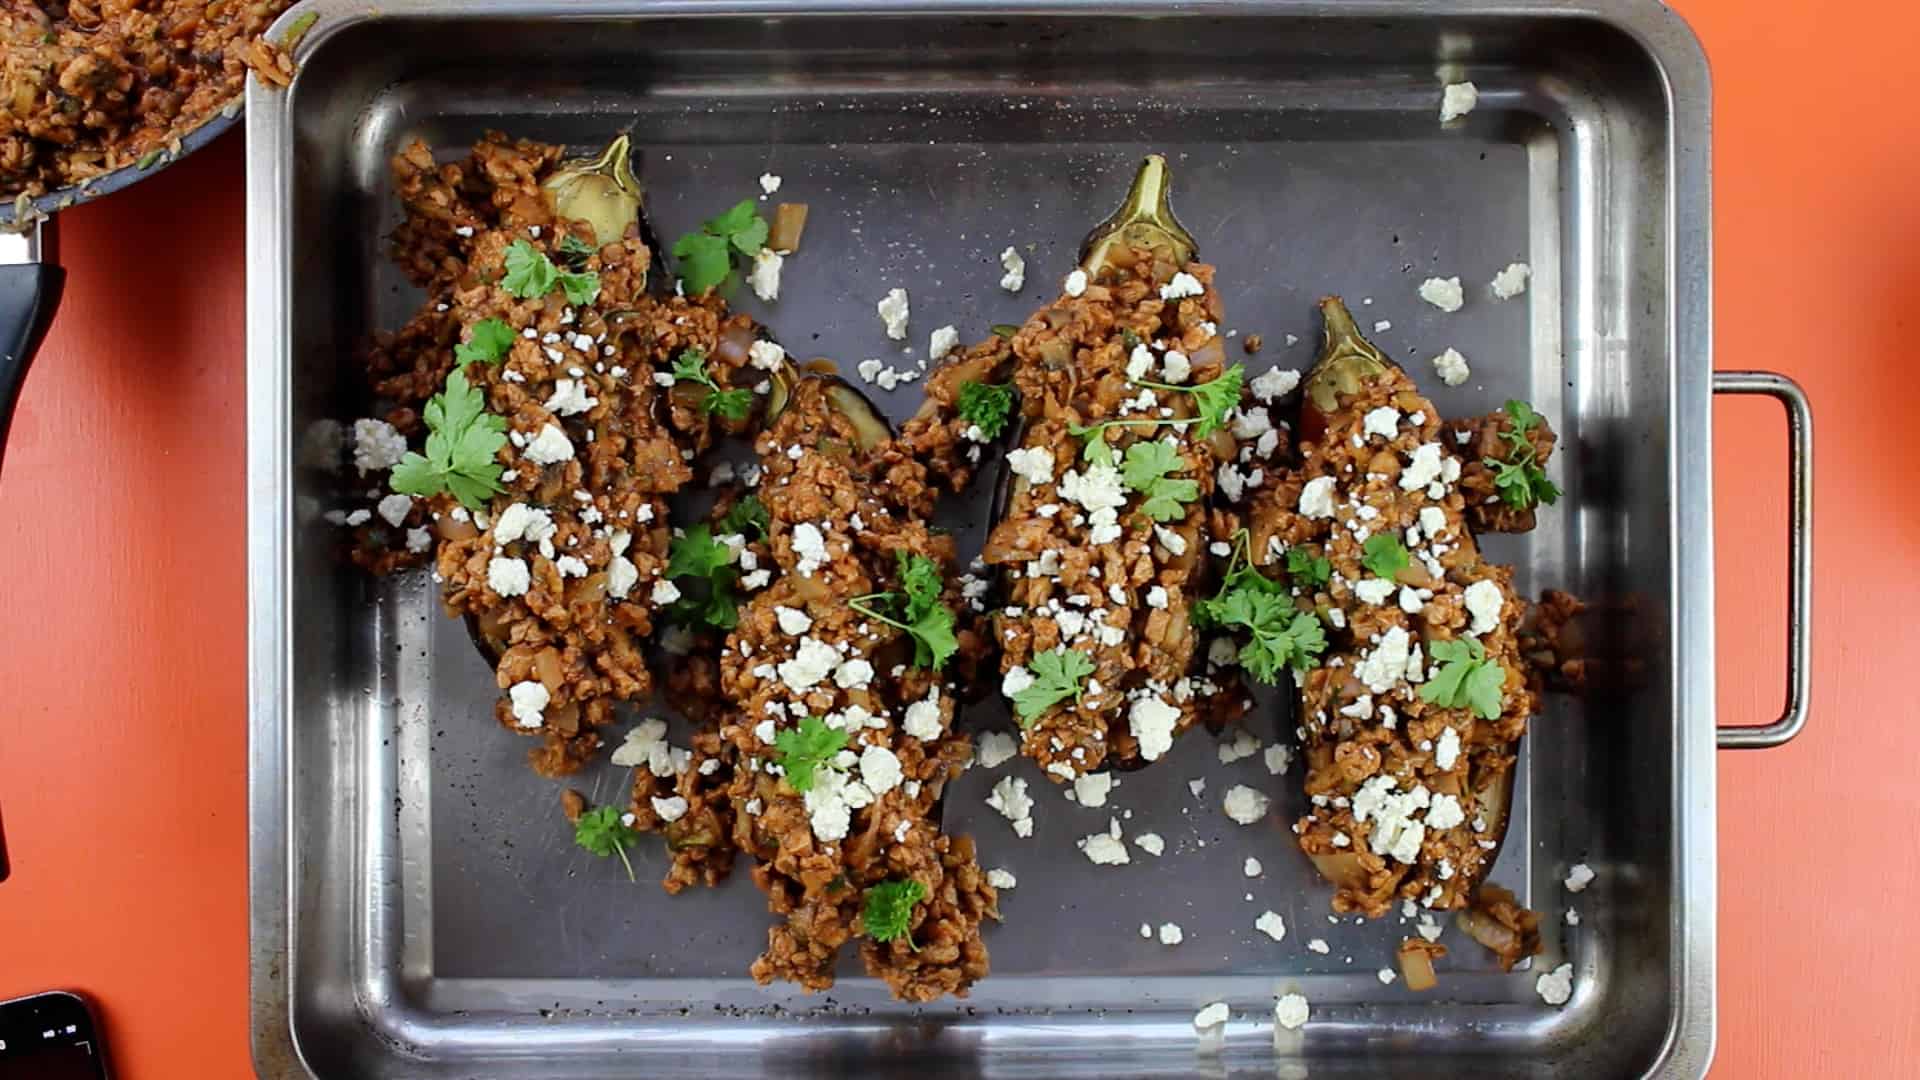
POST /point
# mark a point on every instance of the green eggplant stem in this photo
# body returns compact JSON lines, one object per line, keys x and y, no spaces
{"x":1144,"y":219}
{"x":1347,"y":361}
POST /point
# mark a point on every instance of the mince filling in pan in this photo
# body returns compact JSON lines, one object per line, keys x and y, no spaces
{"x":1167,"y":531}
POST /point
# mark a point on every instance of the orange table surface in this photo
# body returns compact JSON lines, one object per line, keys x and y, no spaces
{"x":123,"y":523}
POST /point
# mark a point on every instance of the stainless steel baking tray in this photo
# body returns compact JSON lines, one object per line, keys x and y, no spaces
{"x":418,"y":910}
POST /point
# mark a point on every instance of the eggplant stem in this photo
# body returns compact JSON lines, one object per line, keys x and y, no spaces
{"x":1144,"y":219}
{"x":1347,"y":360}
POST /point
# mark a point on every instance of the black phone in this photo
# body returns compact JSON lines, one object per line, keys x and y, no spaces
{"x":50,"y":1036}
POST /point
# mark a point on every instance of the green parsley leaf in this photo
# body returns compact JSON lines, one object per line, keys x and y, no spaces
{"x":705,"y":565}
{"x":986,"y":406}
{"x":888,"y":910}
{"x":600,"y":832}
{"x":462,"y":441}
{"x":530,"y":274}
{"x":1467,"y":679}
{"x":706,"y":257}
{"x":1384,"y":554}
{"x":917,"y":610}
{"x":691,"y":366}
{"x":1522,"y":414}
{"x":802,"y":751}
{"x":747,"y":512}
{"x":1213,"y":400}
{"x":488,"y":341}
{"x":1240,"y":576}
{"x":575,"y":250}
{"x":1057,"y":675}
{"x":1129,"y":338}
{"x":704,"y":261}
{"x":581,"y":289}
{"x":1308,"y":570}
{"x":1279,"y":635}
{"x":1145,"y":471}
{"x":1005,"y":330}
{"x":1520,"y":481}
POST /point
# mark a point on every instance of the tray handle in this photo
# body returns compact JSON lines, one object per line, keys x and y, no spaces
{"x":1799,"y":555}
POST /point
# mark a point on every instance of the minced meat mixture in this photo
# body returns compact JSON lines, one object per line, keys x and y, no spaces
{"x":1409,"y":798}
{"x":1085,"y":567}
{"x":88,"y":87}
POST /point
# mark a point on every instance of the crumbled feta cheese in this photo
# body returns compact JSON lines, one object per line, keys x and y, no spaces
{"x":1483,"y":599}
{"x":1242,"y":745}
{"x":1212,"y":1016}
{"x":1016,"y":679}
{"x":1457,"y":100}
{"x":1318,"y":945}
{"x":1386,"y":976}
{"x":1381,"y":326}
{"x":1001,"y":878}
{"x":1512,"y":281}
{"x":1291,"y":1011}
{"x":1573,"y":917}
{"x":1034,"y":464}
{"x":1411,"y":601}
{"x":622,"y":576}
{"x":1447,"y":752}
{"x":1316,"y":498}
{"x":1183,"y":285}
{"x":377,"y":446}
{"x":1009,"y":798}
{"x":1176,"y":366}
{"x":769,"y":183}
{"x":1445,"y":812}
{"x":893,"y":313}
{"x":1424,"y":469}
{"x":811,"y":546}
{"x":923,"y":717}
{"x":1104,"y":849}
{"x":1396,"y":831}
{"x":1443,"y":293}
{"x":570,"y":397}
{"x":1274,"y":383}
{"x":550,"y":446}
{"x":1157,"y":597}
{"x":395,"y":508}
{"x":1374,"y":590}
{"x":942,"y":342}
{"x":1151,"y":842}
{"x":1271,"y":924}
{"x":1092,"y":789}
{"x":1245,"y":805}
{"x":640,"y":743}
{"x":1171,"y":934}
{"x":853,"y":674}
{"x":879,"y":769}
{"x":1277,"y":757}
{"x":419,"y":540}
{"x":664,"y":592}
{"x":529,"y":702}
{"x":509,"y":577}
{"x":766,"y":355}
{"x":793,"y":622}
{"x":812,"y":662}
{"x":1579,"y":877}
{"x":1099,"y":488}
{"x":1555,"y":987}
{"x":1251,"y":867}
{"x":670,"y":809}
{"x":1151,"y":721}
{"x":1016,"y":270}
{"x":995,"y":749}
{"x":1171,"y":540}
{"x":1076,"y":283}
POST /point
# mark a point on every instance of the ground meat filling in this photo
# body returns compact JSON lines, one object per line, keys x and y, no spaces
{"x":562,"y":574}
{"x":1409,"y":799}
{"x":86,"y":88}
{"x":948,"y":443}
{"x":840,"y":516}
{"x":1084,"y":567}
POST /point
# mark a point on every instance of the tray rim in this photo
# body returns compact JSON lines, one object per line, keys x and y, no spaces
{"x":1688,"y":1048}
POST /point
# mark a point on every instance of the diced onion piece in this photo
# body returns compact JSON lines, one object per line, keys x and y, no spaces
{"x":789,"y":220}
{"x":1416,"y":962}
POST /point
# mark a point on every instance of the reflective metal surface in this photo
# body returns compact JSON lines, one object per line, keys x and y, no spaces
{"x":418,"y":910}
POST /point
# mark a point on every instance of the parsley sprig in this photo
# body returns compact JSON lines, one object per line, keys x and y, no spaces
{"x":747,"y":512}
{"x":888,"y":910}
{"x":706,"y":257}
{"x":1519,"y":479}
{"x":487,"y":342}
{"x":1385,"y":555}
{"x":1058,"y":674}
{"x":531,"y":275}
{"x":1279,"y":635}
{"x":1308,"y":571}
{"x":1466,"y":679}
{"x":986,"y":406}
{"x":691,"y":366}
{"x":462,"y":439}
{"x":1146,"y":471}
{"x":703,"y":569}
{"x":1213,"y":400}
{"x":916,"y":609}
{"x":802,"y":751}
{"x":601,"y":832}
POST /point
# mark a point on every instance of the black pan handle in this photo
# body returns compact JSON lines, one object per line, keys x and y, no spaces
{"x":28,"y":294}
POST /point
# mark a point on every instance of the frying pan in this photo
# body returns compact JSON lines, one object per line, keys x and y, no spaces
{"x":31,"y":277}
